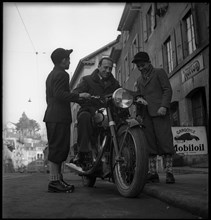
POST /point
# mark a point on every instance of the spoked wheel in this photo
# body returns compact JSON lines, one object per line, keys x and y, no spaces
{"x":130,"y":173}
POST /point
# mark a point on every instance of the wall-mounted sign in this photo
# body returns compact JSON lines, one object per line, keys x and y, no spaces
{"x":190,"y":140}
{"x":192,"y":68}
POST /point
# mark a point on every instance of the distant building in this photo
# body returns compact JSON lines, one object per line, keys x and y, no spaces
{"x":27,"y":157}
{"x":22,"y":153}
{"x":34,"y":157}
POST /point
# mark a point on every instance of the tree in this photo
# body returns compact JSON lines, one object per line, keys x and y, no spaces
{"x":26,"y":126}
{"x":23,"y":123}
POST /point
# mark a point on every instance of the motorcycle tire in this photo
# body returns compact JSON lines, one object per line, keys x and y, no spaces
{"x":130,"y":175}
{"x":88,"y":181}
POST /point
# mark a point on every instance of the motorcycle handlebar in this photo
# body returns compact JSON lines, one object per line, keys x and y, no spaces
{"x":100,"y":97}
{"x":137,"y":99}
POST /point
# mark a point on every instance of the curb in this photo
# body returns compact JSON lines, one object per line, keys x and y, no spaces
{"x":180,"y":170}
{"x":179,"y":197}
{"x":186,"y":202}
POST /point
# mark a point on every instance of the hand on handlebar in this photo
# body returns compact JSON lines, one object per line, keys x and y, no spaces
{"x":141,"y":101}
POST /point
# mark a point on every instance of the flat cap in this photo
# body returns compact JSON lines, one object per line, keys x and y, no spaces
{"x":141,"y":56}
{"x":59,"y":54}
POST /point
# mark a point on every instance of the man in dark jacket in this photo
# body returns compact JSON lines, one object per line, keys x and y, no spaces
{"x":101,"y":82}
{"x":58,"y":118}
{"x":153,"y":84}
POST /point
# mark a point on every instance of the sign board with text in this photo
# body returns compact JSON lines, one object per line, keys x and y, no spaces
{"x":190,"y":140}
{"x":192,"y":68}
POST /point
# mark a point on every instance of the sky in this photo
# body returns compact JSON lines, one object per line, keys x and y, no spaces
{"x":31,"y":31}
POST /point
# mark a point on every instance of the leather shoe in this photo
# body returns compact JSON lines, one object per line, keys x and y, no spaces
{"x":153,"y":178}
{"x":67,"y":184}
{"x":170,"y":178}
{"x":59,"y":186}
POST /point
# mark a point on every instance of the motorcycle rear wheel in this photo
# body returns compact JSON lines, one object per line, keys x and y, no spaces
{"x":130,"y":175}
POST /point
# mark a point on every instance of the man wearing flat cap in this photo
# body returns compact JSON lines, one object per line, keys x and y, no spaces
{"x":153,"y":84}
{"x":58,"y":118}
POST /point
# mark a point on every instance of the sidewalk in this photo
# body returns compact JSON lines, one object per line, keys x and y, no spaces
{"x":190,"y":192}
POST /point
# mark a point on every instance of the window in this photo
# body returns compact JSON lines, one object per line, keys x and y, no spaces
{"x":189,"y":34}
{"x":149,"y":23}
{"x":126,"y":68}
{"x":168,"y":52}
{"x":134,"y":50}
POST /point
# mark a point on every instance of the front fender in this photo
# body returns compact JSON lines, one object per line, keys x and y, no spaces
{"x":131,"y":122}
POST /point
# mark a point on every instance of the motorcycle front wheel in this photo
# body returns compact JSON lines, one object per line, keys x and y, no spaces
{"x":130,"y":173}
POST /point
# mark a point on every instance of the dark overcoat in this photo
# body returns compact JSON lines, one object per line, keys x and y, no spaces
{"x":58,"y":97}
{"x":95,"y":86}
{"x":156,"y":89}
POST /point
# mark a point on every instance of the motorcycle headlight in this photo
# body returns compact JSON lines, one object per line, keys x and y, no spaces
{"x":122,"y":98}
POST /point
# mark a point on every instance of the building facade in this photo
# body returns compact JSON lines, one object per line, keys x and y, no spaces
{"x":176,"y":37}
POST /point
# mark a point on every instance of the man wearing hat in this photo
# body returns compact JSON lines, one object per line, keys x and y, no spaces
{"x":153,"y":84}
{"x":58,"y":118}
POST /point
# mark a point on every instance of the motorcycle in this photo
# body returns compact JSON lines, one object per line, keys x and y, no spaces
{"x":120,"y":153}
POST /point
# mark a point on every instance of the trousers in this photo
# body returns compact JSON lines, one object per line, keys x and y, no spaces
{"x":58,"y":135}
{"x":158,"y":134}
{"x":85,"y":131}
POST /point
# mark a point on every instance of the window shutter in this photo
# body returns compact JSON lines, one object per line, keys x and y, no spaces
{"x":174,"y":113}
{"x":178,"y":36}
{"x":137,"y":43}
{"x":206,"y":14}
{"x":154,"y":15}
{"x":165,"y":60}
{"x":145,"y":28}
{"x":174,"y":54}
{"x":184,"y":39}
{"x":195,"y":23}
{"x":198,"y":109}
{"x":160,"y":59}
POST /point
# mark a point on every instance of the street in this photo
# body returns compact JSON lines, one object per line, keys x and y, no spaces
{"x":25,"y":196}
